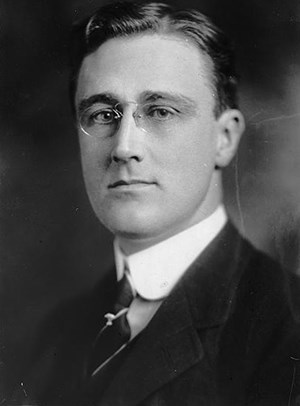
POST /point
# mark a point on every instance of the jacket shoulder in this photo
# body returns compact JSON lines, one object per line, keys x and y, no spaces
{"x":55,"y":363}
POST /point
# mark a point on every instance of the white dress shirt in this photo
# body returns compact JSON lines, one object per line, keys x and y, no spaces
{"x":156,"y":270}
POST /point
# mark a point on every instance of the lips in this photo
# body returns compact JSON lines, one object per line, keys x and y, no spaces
{"x":130,"y":182}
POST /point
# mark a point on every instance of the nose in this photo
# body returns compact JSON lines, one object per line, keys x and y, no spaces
{"x":128,"y":141}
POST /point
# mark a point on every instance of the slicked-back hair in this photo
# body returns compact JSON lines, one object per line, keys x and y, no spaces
{"x":125,"y":19}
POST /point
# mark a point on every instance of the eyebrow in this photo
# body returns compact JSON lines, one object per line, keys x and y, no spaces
{"x":185,"y":103}
{"x":105,"y":98}
{"x":168,"y":96}
{"x":147,"y":96}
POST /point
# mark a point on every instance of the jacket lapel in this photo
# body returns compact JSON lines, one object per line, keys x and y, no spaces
{"x":171,"y":344}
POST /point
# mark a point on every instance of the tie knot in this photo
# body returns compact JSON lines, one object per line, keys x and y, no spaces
{"x":125,"y":293}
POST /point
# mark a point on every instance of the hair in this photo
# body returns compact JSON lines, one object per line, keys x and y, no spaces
{"x":125,"y":19}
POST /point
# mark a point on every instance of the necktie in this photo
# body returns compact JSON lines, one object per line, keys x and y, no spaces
{"x":114,"y":336}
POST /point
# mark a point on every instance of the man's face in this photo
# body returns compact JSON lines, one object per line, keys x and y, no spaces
{"x":148,"y":184}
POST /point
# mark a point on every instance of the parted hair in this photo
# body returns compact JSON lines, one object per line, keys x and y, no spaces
{"x":124,"y":19}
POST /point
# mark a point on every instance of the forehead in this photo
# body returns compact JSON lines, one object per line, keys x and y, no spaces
{"x":129,"y":67}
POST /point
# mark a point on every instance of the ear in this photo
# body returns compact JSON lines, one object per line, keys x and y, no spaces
{"x":230,"y":127}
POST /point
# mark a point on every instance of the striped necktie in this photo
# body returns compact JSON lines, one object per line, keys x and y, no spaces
{"x":114,"y":336}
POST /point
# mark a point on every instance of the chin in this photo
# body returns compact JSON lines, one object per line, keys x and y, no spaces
{"x":128,"y":225}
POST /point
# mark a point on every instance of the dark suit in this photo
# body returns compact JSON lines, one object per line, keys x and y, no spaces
{"x":224,"y":336}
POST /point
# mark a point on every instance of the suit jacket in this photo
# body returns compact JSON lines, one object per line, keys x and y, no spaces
{"x":224,"y":336}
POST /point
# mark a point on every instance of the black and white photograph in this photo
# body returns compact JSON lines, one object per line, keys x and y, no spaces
{"x":149,"y":203}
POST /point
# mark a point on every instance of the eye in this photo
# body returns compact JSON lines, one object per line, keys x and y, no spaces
{"x":161,"y":113}
{"x":103,"y":117}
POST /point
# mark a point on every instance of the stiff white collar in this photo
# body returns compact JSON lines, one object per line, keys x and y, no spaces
{"x":155,"y":270}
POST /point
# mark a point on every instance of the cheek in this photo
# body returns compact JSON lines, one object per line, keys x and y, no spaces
{"x":94,"y":156}
{"x":93,"y":166}
{"x":191,"y":158}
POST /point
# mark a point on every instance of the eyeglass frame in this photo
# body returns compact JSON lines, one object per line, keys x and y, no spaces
{"x":136,"y":115}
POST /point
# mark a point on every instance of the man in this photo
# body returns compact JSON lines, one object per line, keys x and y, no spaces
{"x":202,"y":317}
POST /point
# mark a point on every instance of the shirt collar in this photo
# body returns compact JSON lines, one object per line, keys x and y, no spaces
{"x":155,"y":270}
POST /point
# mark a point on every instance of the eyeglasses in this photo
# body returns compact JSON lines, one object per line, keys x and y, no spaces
{"x":101,"y":122}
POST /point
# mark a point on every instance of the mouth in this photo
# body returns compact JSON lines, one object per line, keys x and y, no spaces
{"x":132,"y":183}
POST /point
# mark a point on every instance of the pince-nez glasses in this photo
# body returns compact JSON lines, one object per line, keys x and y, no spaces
{"x":103,"y":121}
